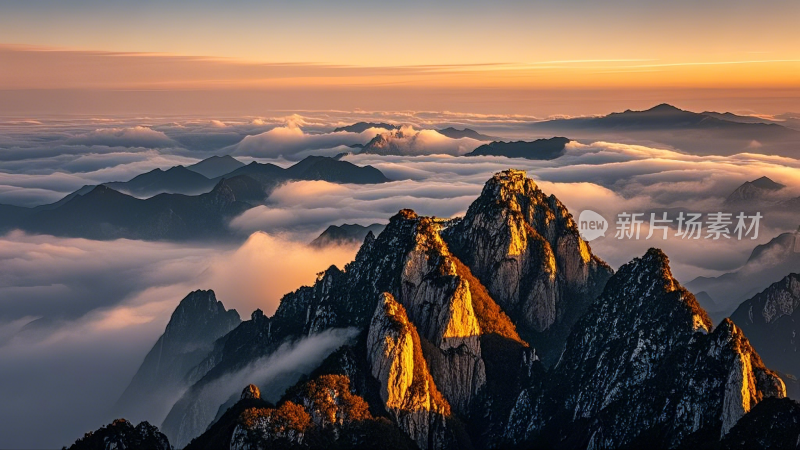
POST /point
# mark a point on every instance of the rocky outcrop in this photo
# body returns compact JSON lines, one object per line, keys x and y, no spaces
{"x":251,"y":391}
{"x":768,"y":263}
{"x":271,"y":427}
{"x":769,"y":320}
{"x":644,"y":368}
{"x":121,"y":434}
{"x":526,"y":249}
{"x":772,"y":424}
{"x":406,"y":386}
{"x":439,"y":303}
{"x":753,"y":191}
{"x":198,"y":321}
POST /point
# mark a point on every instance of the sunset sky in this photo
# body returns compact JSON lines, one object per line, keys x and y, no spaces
{"x":505,"y":55}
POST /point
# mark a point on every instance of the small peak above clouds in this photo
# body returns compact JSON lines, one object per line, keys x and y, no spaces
{"x":407,"y":141}
{"x":216,"y":166}
{"x":360,"y":127}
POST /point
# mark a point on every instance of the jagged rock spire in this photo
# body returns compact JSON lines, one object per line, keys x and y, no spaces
{"x":645,"y":357}
{"x":250,"y":391}
{"x":525,"y":248}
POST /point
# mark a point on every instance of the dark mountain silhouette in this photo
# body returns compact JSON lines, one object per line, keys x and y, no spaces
{"x":731,"y":117}
{"x":175,"y":180}
{"x":121,"y":434}
{"x":698,"y":133}
{"x":346,"y":234}
{"x":772,"y":424}
{"x":198,"y":321}
{"x":543,"y":149}
{"x":101,"y":212}
{"x":335,"y":171}
{"x":216,"y":166}
{"x":104,"y":213}
{"x":454,"y":133}
{"x":361,"y":127}
{"x":752,"y":191}
{"x":664,"y":117}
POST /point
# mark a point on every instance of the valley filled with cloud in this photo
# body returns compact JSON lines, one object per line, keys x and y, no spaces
{"x":68,"y":305}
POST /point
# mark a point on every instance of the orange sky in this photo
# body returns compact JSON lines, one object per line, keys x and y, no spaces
{"x":741,"y":54}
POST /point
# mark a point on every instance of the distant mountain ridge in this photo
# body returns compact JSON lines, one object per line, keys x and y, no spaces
{"x":216,"y":166}
{"x":360,"y":127}
{"x":454,"y":133}
{"x":697,"y":133}
{"x":346,"y":234}
{"x":770,"y":319}
{"x":175,"y":180}
{"x":540,"y":149}
{"x":101,"y":212}
{"x":663,"y":116}
{"x":767,"y":264}
{"x":753,"y":190}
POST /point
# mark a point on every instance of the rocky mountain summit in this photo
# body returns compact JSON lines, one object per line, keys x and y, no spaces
{"x":752,"y":191}
{"x":526,"y":249}
{"x":198,"y":321}
{"x":644,"y":368}
{"x":770,"y":321}
{"x":450,"y":318}
{"x":121,"y":434}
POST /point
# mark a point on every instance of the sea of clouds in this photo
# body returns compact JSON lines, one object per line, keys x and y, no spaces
{"x":77,"y":316}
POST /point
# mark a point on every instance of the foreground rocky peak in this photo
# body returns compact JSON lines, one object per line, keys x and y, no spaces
{"x":197,"y":322}
{"x":445,"y":310}
{"x":251,"y":391}
{"x":407,"y":388}
{"x":525,"y":248}
{"x":121,"y":434}
{"x":644,"y":368}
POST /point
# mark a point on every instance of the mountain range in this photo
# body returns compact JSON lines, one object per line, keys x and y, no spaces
{"x":542,"y":149}
{"x":500,"y":329}
{"x":767,"y":264}
{"x":346,"y":234}
{"x":451,"y":132}
{"x":753,"y":191}
{"x":105,"y":212}
{"x":698,"y":133}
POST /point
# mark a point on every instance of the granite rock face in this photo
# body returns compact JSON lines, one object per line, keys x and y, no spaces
{"x":452,"y":316}
{"x":406,"y":386}
{"x":121,"y":434}
{"x":525,"y":248}
{"x":644,"y":367}
{"x":198,"y":321}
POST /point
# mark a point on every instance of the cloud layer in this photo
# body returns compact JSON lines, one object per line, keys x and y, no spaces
{"x":77,"y":316}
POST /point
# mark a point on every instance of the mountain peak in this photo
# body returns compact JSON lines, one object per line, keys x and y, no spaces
{"x":525,"y":248}
{"x":406,"y":214}
{"x":766,"y":183}
{"x":251,"y":391}
{"x":664,"y":108}
{"x":652,"y":277}
{"x":503,"y":185}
